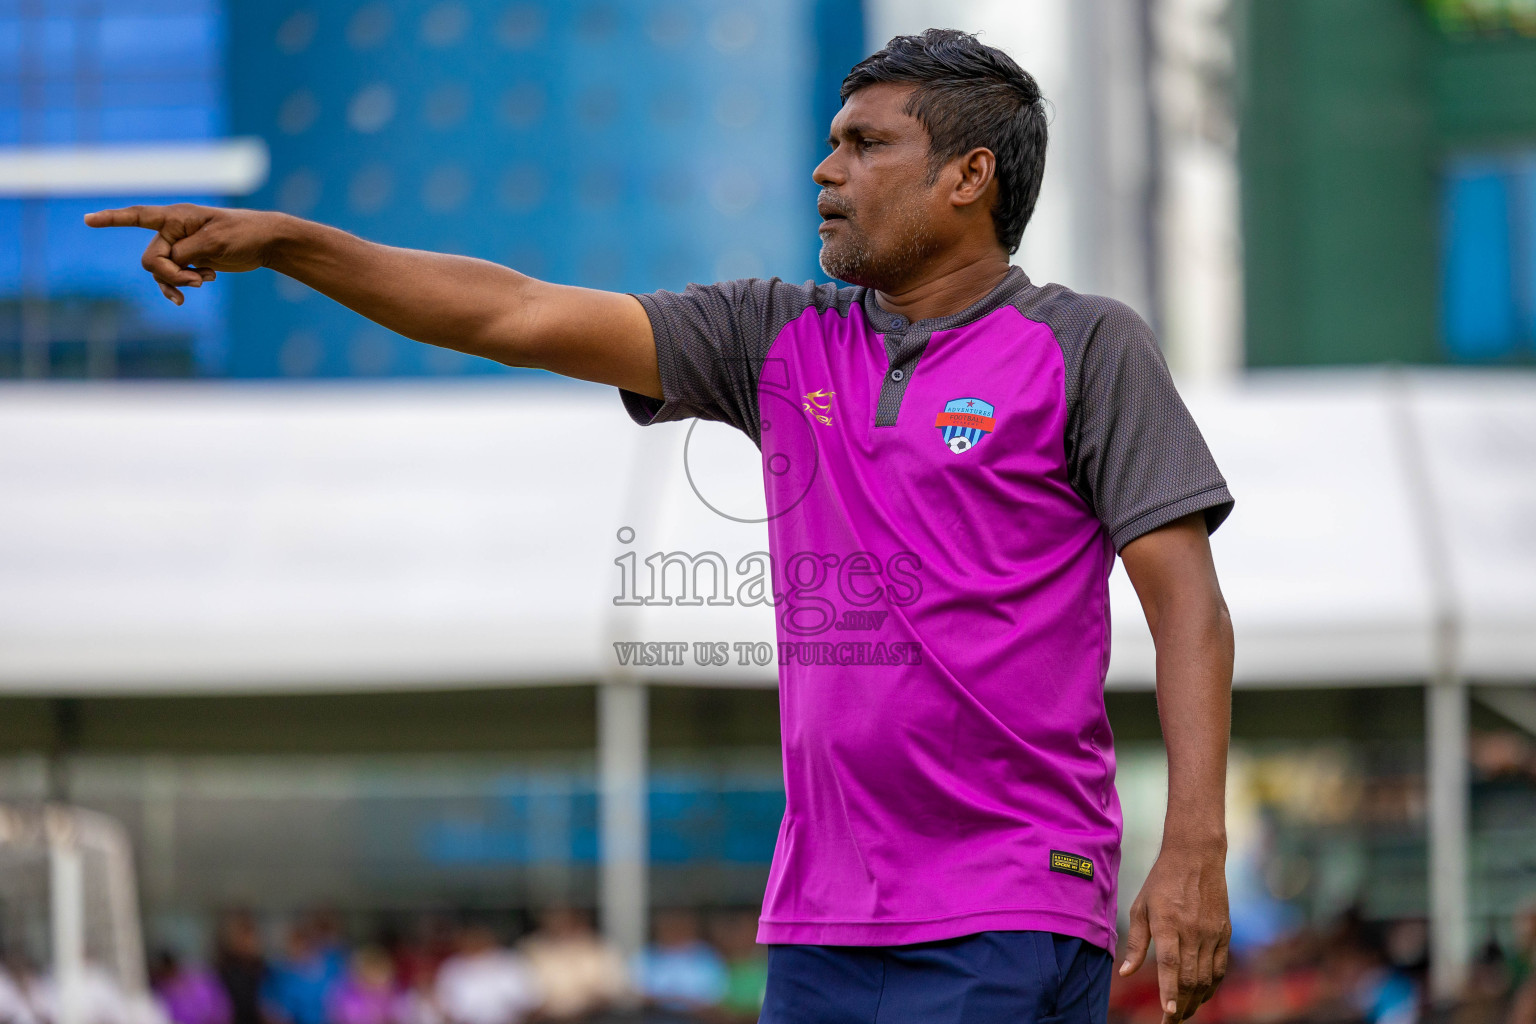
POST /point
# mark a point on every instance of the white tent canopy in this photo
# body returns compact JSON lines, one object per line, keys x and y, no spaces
{"x":208,"y":538}
{"x":176,"y":538}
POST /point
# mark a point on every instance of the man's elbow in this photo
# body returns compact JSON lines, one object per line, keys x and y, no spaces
{"x":1226,"y":638}
{"x":510,"y":335}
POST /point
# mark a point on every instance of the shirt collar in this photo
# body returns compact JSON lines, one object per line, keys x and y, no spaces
{"x":1014,"y":282}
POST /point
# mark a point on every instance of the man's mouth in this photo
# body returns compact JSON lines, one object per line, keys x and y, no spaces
{"x":830,"y":210}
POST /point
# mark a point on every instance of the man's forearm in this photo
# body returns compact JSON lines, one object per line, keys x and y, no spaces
{"x":1194,"y":700}
{"x":1182,"y":906}
{"x":453,"y":301}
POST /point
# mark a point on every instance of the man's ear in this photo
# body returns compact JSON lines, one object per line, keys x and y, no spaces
{"x":977,"y":169}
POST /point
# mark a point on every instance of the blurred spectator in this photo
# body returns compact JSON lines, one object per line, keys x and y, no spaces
{"x":189,"y":995}
{"x":241,"y":967}
{"x":680,"y":971}
{"x":1383,"y":994}
{"x":325,"y":936}
{"x":1407,"y":946}
{"x":484,"y":983}
{"x":415,"y":962}
{"x":577,"y":972}
{"x":1485,"y":996}
{"x":416,"y":965}
{"x":410,"y":962}
{"x":367,"y":993}
{"x":746,"y":965}
{"x":297,"y":985}
{"x":1359,"y":983}
{"x":1523,"y":969}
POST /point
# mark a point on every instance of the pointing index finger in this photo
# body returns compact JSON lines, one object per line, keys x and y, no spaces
{"x":1169,"y":990}
{"x":152,"y":217}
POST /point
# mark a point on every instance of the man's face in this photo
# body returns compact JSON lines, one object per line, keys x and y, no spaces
{"x":882,"y":218}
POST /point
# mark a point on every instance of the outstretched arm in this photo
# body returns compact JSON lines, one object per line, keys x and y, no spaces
{"x":1182,"y":908}
{"x":455,"y":302}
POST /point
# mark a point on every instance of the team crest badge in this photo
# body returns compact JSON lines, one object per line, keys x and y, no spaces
{"x":964,"y":422}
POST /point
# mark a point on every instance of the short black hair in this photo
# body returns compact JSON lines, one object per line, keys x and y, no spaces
{"x":970,"y":95}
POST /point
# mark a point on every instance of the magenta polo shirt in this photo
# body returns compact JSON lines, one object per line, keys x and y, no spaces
{"x":946,"y":499}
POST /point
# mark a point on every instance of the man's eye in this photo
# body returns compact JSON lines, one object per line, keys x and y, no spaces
{"x":867,"y":143}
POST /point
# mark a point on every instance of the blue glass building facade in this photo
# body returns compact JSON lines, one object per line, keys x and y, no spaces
{"x":80,"y":72}
{"x":627,"y":146}
{"x":624,"y":145}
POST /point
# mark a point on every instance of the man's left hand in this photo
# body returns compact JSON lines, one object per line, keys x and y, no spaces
{"x":1182,"y":910}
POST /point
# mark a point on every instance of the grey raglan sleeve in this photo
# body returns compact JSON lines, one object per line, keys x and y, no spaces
{"x":710,"y":344}
{"x":1133,"y":450}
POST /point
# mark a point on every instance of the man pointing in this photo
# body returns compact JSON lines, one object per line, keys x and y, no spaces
{"x":959,"y":448}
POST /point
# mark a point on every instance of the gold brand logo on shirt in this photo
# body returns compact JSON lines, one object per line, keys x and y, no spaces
{"x":819,"y":404}
{"x":1071,"y":864}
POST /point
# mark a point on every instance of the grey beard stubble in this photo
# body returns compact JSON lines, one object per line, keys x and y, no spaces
{"x":855,"y":262}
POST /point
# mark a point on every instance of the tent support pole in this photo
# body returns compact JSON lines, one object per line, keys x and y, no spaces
{"x":1446,"y":733}
{"x":623,"y":737}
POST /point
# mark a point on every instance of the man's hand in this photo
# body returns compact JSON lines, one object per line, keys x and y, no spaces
{"x":193,"y":243}
{"x":1182,"y":908}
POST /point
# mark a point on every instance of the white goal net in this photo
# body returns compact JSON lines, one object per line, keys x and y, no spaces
{"x":70,"y":946}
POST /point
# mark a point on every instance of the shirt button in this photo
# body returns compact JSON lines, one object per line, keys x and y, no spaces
{"x":898,"y":322}
{"x":897,"y":375}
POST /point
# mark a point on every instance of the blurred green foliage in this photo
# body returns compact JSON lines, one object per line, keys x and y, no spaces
{"x":1467,"y":17}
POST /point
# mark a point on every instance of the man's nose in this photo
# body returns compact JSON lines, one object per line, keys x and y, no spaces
{"x":829,"y":173}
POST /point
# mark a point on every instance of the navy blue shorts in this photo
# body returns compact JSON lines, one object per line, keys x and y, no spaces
{"x":987,"y":978}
